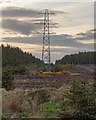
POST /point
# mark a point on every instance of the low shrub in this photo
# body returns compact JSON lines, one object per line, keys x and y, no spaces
{"x":24,"y":114}
{"x":50,"y":109}
{"x":7,"y":79}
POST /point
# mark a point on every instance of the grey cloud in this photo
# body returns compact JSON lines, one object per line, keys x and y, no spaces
{"x":12,"y":23}
{"x":29,"y":40}
{"x":58,"y":12}
{"x":20,"y":26}
{"x":24,"y":12}
{"x":11,"y":15}
{"x":88,"y":35}
{"x":20,"y":12}
{"x":67,"y":35}
{"x":56,"y":40}
{"x":62,"y":40}
{"x":81,"y":34}
{"x":93,"y":30}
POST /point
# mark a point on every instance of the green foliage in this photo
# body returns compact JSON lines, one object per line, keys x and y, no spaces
{"x":19,"y":69}
{"x":15,"y":56}
{"x":7,"y":80}
{"x":80,"y":102}
{"x":56,"y":68}
{"x":50,"y":109}
{"x":80,"y":58}
{"x":24,"y":114}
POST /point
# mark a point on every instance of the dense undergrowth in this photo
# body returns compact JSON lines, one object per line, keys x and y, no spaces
{"x":76,"y":102}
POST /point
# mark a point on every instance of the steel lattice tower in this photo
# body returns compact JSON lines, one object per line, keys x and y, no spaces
{"x":46,"y":39}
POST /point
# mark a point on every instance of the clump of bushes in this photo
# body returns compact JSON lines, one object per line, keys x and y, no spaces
{"x":7,"y":80}
{"x":20,"y":69}
{"x":80,"y":102}
{"x":56,"y":68}
{"x":8,"y":73}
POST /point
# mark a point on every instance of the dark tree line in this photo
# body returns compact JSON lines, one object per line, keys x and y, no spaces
{"x":15,"y":56}
{"x":15,"y":61}
{"x":80,"y":58}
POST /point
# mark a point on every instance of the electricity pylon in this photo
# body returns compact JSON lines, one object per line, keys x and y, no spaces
{"x":46,"y":39}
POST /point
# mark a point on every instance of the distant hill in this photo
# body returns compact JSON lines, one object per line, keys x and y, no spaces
{"x":13,"y":56}
{"x":80,"y":58}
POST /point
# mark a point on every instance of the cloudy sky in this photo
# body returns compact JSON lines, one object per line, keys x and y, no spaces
{"x":72,"y":23}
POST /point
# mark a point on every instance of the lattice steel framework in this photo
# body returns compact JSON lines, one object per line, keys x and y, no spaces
{"x":46,"y":39}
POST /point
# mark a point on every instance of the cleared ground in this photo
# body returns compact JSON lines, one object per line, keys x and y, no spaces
{"x":75,"y":72}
